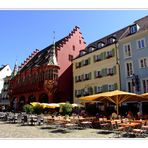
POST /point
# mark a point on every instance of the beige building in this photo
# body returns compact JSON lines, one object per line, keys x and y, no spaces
{"x":96,"y":69}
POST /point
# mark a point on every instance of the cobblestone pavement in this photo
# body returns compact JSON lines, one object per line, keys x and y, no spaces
{"x":9,"y":130}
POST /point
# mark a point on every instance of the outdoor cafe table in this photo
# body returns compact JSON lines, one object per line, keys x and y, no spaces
{"x":128,"y":125}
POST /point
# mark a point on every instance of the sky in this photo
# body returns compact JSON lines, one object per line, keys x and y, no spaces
{"x":23,"y":31}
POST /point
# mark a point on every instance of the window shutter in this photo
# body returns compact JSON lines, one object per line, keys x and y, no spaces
{"x":95,"y":89}
{"x":82,"y":62}
{"x":105,"y":88}
{"x":75,"y":78}
{"x":114,"y":70}
{"x":95,"y":74}
{"x":88,"y":60}
{"x":115,"y":86}
{"x":113,"y":52}
{"x":90,"y":76}
{"x":102,"y":57}
{"x":75,"y":93}
{"x":105,"y":72}
{"x":102,"y":72}
{"x":94,"y":57}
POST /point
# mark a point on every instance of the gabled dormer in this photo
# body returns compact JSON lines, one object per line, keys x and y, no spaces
{"x":82,"y":52}
{"x":90,"y":49}
{"x":100,"y":44}
{"x":111,"y":40}
{"x":134,"y":28}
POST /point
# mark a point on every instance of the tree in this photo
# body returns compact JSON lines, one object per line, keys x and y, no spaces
{"x":66,"y":109}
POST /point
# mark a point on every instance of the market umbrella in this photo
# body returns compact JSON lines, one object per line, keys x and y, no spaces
{"x":62,"y":103}
{"x":50,"y":105}
{"x":116,"y":97}
{"x":77,"y":105}
{"x":35,"y":103}
{"x":144,"y":97}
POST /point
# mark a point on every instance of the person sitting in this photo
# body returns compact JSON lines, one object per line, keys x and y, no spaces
{"x":130,"y":115}
{"x":114,"y":115}
{"x":139,"y":115}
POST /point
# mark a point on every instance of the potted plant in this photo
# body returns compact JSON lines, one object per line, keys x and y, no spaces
{"x":28,"y":108}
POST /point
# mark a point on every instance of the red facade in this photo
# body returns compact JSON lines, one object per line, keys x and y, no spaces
{"x":66,"y":52}
{"x":39,"y":80}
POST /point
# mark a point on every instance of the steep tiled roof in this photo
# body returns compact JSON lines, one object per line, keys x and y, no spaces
{"x":2,"y":67}
{"x":120,"y":34}
{"x":142,"y":23}
{"x":42,"y":57}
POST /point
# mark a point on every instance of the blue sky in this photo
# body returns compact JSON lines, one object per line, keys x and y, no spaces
{"x":22,"y":31}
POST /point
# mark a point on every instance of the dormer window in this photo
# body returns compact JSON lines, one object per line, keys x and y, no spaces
{"x":100,"y":45}
{"x":134,"y":28}
{"x":111,"y":40}
{"x":82,"y":52}
{"x":90,"y":49}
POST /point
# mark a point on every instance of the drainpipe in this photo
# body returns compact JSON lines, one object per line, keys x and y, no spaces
{"x":117,"y":63}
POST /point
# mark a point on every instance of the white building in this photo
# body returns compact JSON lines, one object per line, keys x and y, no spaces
{"x":5,"y":72}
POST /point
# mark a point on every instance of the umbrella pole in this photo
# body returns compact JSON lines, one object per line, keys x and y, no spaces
{"x":117,"y":105}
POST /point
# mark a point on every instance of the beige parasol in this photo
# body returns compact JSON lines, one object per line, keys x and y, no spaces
{"x":116,"y":97}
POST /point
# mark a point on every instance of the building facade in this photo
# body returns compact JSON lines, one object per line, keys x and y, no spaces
{"x":133,"y":53}
{"x":117,"y":61}
{"x":5,"y":73}
{"x":96,"y":69}
{"x":4,"y":101}
{"x":46,"y":75}
{"x":133,"y":57}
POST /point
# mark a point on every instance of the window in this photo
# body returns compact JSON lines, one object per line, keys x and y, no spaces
{"x":100,"y":45}
{"x":109,"y":54}
{"x":129,"y":69}
{"x":79,"y":41}
{"x":97,"y":58}
{"x":127,"y":50}
{"x":111,"y":40}
{"x":90,"y":49}
{"x":143,"y":62}
{"x":70,"y":57}
{"x":141,"y":43}
{"x":110,"y":71}
{"x":78,"y":65}
{"x":82,"y":52}
{"x":133,"y":29}
{"x":86,"y":62}
{"x":86,"y":76}
{"x":73,"y":47}
{"x":110,"y":87}
{"x":98,"y":89}
{"x":78,"y":93}
{"x":145,"y":85}
{"x":131,"y":87}
{"x":98,"y":74}
{"x":78,"y":78}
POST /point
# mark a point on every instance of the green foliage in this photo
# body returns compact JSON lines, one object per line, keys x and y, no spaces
{"x":28,"y":108}
{"x":66,"y":109}
{"x":38,"y":109}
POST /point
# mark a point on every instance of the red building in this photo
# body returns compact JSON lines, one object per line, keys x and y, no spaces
{"x":46,"y":75}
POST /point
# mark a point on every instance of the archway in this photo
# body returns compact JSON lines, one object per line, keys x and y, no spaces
{"x":21,"y":103}
{"x":31,"y":98}
{"x":43,"y":98}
